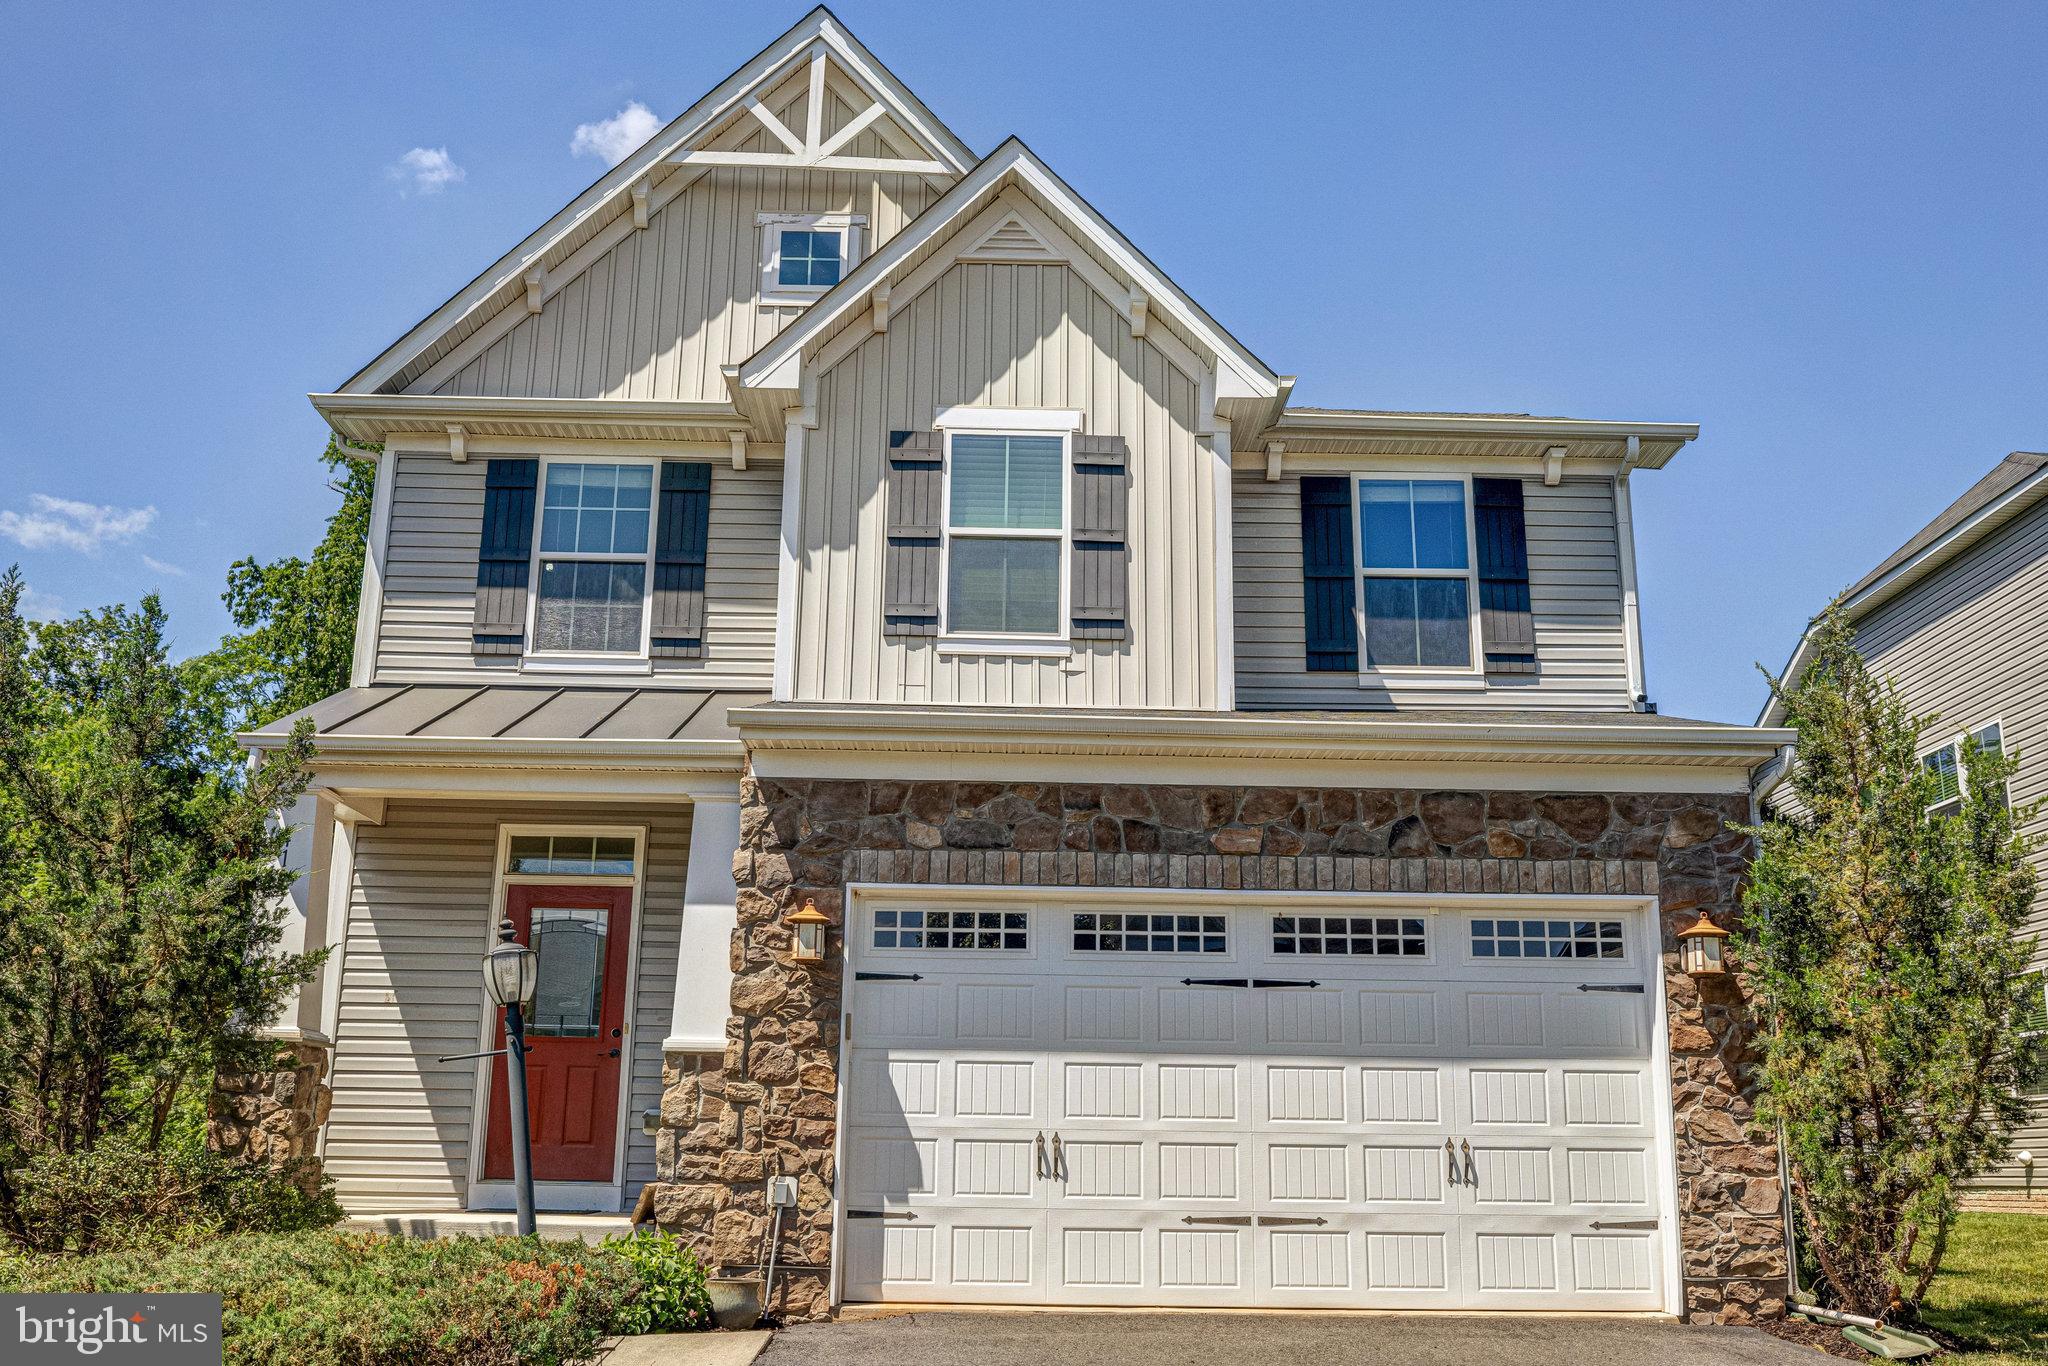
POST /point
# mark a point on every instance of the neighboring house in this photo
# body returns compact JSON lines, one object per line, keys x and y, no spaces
{"x":1957,"y":618}
{"x":1251,"y":861}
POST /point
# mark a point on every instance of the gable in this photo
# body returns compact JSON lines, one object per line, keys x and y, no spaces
{"x":815,"y":100}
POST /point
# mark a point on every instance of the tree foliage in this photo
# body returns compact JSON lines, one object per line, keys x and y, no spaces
{"x":1887,"y":949}
{"x":140,"y":888}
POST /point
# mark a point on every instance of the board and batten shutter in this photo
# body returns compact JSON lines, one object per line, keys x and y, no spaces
{"x":1507,"y":629}
{"x":504,"y":560}
{"x":910,"y":565}
{"x":1329,"y":575}
{"x":1101,"y":568}
{"x":682,"y":533}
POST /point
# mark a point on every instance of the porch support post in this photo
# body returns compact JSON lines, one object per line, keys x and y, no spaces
{"x":710,"y":914}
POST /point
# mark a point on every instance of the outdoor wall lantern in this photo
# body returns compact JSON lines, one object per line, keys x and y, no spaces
{"x":1699,"y":948}
{"x":810,"y":924}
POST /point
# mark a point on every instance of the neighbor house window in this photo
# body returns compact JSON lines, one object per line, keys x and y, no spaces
{"x":1415,"y":573}
{"x":803,"y":255}
{"x":1005,"y":532}
{"x":593,"y":558}
{"x":1946,"y":764}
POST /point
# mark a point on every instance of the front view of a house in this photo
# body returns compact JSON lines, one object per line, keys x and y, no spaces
{"x":1252,"y":869}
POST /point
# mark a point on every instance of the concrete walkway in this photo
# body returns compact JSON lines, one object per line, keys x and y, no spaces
{"x":1297,"y":1338}
{"x":684,"y":1349}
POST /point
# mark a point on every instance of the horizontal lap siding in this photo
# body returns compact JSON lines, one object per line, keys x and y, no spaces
{"x":1033,"y":336}
{"x":659,"y":314}
{"x":400,"y":1134}
{"x":1971,"y":643}
{"x":430,"y":574}
{"x":1574,"y":593}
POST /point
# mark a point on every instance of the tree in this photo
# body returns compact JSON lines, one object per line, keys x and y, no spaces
{"x":140,"y":890}
{"x":1886,"y":949}
{"x":298,"y":616}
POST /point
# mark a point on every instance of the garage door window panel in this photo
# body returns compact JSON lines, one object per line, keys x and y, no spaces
{"x":1148,"y":932}
{"x":1350,"y":936}
{"x":950,"y":929}
{"x":1548,"y":939}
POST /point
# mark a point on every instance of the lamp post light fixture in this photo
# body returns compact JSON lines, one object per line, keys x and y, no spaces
{"x":1700,"y":948}
{"x":511,"y":972}
{"x":810,"y":924}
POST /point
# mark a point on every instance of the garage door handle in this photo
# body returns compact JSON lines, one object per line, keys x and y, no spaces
{"x":1471,"y":1171}
{"x":1059,"y":1158}
{"x":1451,"y":1162}
{"x":1041,"y":1154}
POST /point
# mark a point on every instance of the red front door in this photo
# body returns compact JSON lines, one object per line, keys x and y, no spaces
{"x":575,"y":1032}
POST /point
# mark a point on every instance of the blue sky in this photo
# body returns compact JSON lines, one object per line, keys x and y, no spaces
{"x":1820,"y":231}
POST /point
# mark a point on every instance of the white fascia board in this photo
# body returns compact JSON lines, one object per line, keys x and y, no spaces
{"x":819,"y":26}
{"x":776,"y":365}
{"x":1477,"y":424}
{"x":1904,"y":576}
{"x":382,"y":414}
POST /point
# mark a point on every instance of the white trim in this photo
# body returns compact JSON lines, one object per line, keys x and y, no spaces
{"x":1020,"y":647}
{"x":851,"y":228}
{"x":1022,"y":421}
{"x":476,"y":1186}
{"x":703,"y":941}
{"x":1224,"y":579}
{"x":782,"y":686}
{"x":370,"y":608}
{"x":1389,"y":676}
{"x":1665,"y":1127}
{"x":570,"y":1197}
{"x":1631,"y":610}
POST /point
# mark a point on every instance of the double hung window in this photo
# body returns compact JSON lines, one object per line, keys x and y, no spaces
{"x":1415,"y":573}
{"x":1005,"y":533}
{"x":594,"y":546}
{"x":1946,"y":764}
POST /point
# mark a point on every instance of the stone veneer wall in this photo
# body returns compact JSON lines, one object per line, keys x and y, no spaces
{"x":274,"y":1116}
{"x":768,"y":1106}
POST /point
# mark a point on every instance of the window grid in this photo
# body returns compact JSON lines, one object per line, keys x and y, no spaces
{"x":1415,"y":577}
{"x":570,"y":855}
{"x":950,"y":930}
{"x":591,"y":588}
{"x":810,"y":258}
{"x":1357,"y":936}
{"x":1005,"y":533}
{"x":1546,"y":939}
{"x":1147,"y":932}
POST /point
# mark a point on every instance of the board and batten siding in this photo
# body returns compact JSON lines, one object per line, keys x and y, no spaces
{"x":1971,"y":644}
{"x":1574,"y":592}
{"x":399,"y":1137}
{"x":437,"y":510}
{"x":1008,"y":335}
{"x":657,"y":316}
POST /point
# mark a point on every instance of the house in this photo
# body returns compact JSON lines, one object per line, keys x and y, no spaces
{"x":1251,"y":861}
{"x":1957,"y":619}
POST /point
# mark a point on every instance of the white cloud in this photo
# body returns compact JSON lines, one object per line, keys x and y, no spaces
{"x":39,"y":606}
{"x":150,"y":562}
{"x":615,"y":138}
{"x":429,"y":169}
{"x":71,"y":524}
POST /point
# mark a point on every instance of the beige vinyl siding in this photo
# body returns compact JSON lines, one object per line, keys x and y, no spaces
{"x":1574,"y":591}
{"x":437,"y":509}
{"x":402,"y":1133}
{"x":1971,"y":643}
{"x":657,"y":315}
{"x":1032,"y":336}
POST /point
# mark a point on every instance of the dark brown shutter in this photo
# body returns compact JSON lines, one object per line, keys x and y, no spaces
{"x":1507,"y":630}
{"x":910,"y":559}
{"x":682,"y":532}
{"x":1329,"y":576}
{"x":1101,"y":575}
{"x":504,"y":557}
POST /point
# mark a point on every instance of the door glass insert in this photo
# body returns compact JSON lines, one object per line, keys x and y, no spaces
{"x":569,"y":994}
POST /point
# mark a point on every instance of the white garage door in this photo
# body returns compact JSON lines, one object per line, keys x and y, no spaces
{"x":1132,"y":1102}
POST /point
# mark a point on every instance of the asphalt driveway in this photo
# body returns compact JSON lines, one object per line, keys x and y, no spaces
{"x":1292,"y":1339}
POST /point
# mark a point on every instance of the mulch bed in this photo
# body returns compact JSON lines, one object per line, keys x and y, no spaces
{"x":1822,"y":1337}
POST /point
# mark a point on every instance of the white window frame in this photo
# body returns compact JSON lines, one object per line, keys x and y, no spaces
{"x":851,"y":228}
{"x":604,"y":661}
{"x":1954,"y":744}
{"x":1061,"y":422}
{"x":1473,"y":675}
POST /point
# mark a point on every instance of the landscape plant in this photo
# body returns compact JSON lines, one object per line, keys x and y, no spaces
{"x":1885,"y":943}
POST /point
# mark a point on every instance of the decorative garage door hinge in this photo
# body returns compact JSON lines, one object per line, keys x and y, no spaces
{"x":1234,"y":1220}
{"x":1633,"y":988}
{"x":888,"y":977}
{"x":1255,"y":983}
{"x":880,"y":1214}
{"x":1288,"y":1220}
{"x":1626,"y":1223}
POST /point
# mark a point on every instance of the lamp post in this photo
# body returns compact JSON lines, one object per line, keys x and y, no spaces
{"x":511,"y":971}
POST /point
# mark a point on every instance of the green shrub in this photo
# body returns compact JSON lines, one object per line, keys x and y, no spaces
{"x":370,"y":1300}
{"x":672,"y":1297}
{"x":117,"y":1195}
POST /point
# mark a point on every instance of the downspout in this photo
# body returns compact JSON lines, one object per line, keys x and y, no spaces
{"x":1631,"y":615}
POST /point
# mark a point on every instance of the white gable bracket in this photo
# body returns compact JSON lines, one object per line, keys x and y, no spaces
{"x":1276,"y":452}
{"x":739,"y":449}
{"x":1553,"y":466}
{"x":536,"y":283}
{"x":458,"y":445}
{"x":642,"y":188}
{"x":1140,"y":306}
{"x":878,"y":307}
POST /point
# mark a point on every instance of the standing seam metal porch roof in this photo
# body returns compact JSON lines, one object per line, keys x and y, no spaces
{"x":515,"y":712}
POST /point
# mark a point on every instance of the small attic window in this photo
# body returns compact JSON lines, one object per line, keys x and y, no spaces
{"x":805,"y":254}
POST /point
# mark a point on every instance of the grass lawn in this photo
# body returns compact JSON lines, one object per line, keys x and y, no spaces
{"x":1992,"y":1293}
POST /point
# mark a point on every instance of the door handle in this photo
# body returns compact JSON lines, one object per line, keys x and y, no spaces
{"x":1041,"y":1153}
{"x":1059,"y":1158}
{"x":1450,"y":1162}
{"x":613,"y":1053}
{"x":1471,"y":1169}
